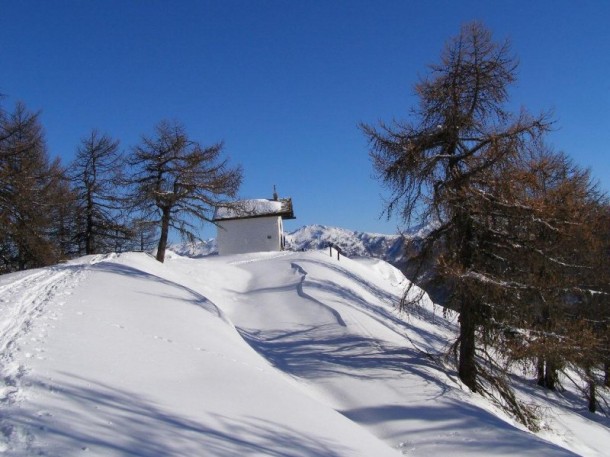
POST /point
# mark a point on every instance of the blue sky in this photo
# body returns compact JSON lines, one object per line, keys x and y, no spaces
{"x":285,"y":83}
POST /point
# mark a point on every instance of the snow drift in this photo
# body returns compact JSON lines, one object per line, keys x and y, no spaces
{"x":274,"y":354}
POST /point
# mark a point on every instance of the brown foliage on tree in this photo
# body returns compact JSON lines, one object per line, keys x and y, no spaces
{"x":511,"y":221}
{"x":439,"y":167}
{"x":32,"y":194}
{"x":546,"y":239}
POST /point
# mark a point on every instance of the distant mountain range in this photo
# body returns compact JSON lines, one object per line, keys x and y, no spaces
{"x":390,"y":248}
{"x":196,"y":249}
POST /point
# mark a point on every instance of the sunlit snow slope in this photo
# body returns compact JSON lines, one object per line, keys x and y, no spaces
{"x":277,"y":354}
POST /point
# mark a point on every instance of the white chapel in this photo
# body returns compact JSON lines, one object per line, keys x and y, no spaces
{"x":252,"y":225}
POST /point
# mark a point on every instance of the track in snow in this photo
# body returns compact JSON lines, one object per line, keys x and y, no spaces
{"x":21,"y":302}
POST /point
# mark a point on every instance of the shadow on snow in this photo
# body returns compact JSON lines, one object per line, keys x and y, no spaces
{"x":107,"y":420}
{"x":194,"y":297}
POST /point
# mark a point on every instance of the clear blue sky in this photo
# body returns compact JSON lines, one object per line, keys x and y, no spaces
{"x":285,"y":83}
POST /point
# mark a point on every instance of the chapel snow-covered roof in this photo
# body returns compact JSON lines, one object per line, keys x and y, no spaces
{"x":262,"y":207}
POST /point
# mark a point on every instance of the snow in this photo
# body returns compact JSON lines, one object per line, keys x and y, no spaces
{"x":268,"y":354}
{"x":253,"y":207}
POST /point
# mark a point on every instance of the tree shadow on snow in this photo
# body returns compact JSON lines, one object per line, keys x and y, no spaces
{"x":319,"y":351}
{"x":567,"y":396}
{"x":383,"y":315}
{"x":109,"y":421}
{"x":459,"y":424}
{"x":323,"y":350}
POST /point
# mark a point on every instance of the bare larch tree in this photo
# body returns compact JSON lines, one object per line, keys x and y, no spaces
{"x":95,"y":175}
{"x":178,"y":182}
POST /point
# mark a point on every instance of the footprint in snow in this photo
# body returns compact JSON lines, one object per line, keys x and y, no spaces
{"x":167,"y":340}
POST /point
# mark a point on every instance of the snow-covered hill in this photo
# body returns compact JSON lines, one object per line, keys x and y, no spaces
{"x":354,"y":244}
{"x":271,"y":354}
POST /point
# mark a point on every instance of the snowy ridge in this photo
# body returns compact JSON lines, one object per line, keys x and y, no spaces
{"x":353,"y":244}
{"x":195,"y":249}
{"x":273,"y":354}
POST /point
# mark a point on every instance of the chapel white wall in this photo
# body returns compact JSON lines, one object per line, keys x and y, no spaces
{"x":240,"y":236}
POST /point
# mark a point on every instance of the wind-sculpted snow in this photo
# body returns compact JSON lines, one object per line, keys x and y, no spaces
{"x":139,"y":361}
{"x":272,"y":354}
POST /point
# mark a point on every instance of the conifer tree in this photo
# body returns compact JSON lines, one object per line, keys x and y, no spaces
{"x":439,"y":166}
{"x":30,"y":192}
{"x":543,"y":248}
{"x":511,"y":221}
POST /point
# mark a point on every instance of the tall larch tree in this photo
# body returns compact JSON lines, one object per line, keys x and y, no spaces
{"x":439,"y":166}
{"x":30,"y":192}
{"x":541,"y":247}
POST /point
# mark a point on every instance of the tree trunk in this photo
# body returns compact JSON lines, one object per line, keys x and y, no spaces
{"x":467,"y":368}
{"x":89,"y":247}
{"x":89,"y":241}
{"x":164,"y":233}
{"x":547,"y":373}
{"x":540,"y":371}
{"x":550,"y":374}
{"x":607,"y":374}
{"x":592,"y":398}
